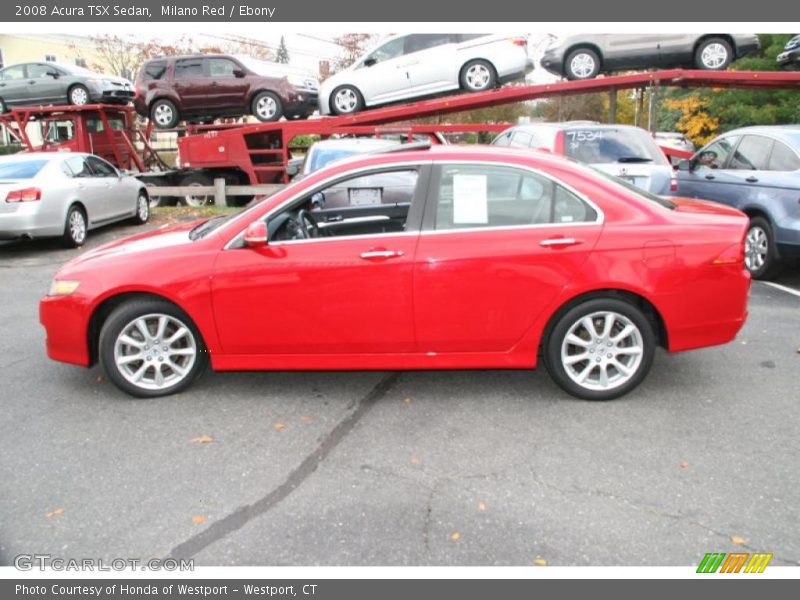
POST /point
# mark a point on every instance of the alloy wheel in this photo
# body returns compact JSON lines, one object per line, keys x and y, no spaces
{"x":266,"y":107}
{"x":478,"y":76}
{"x":79,"y":96}
{"x":346,"y":100}
{"x":163,"y":115}
{"x":77,"y":227}
{"x":714,"y":56}
{"x":756,"y":248}
{"x":582,"y":65}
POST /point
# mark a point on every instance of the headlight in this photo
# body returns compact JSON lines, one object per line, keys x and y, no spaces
{"x":62,"y":287}
{"x":297,"y":80}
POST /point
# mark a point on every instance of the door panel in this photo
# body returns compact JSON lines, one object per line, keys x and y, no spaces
{"x":387,"y":79}
{"x":226,"y":90}
{"x":430,"y":60}
{"x":43,"y":87}
{"x":90,"y":190}
{"x":191,"y":85}
{"x":316,"y":297}
{"x":710,"y":179}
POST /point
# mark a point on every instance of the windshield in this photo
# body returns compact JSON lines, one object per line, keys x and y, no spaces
{"x":21,"y":169}
{"x":594,"y":145}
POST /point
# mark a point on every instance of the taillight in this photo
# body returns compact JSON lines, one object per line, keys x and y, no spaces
{"x":732,"y":255}
{"x":31,"y":194}
{"x":673,"y":185}
{"x":521,"y":41}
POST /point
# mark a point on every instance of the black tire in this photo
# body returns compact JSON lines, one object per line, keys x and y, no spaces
{"x":142,"y":208}
{"x":164,"y":114}
{"x":720,"y":63}
{"x":3,"y":107}
{"x":761,"y":254}
{"x":485,"y":78}
{"x":600,"y":350}
{"x":584,"y":56}
{"x":196,"y":179}
{"x":120,"y":319}
{"x":78,"y":95}
{"x":74,"y":234}
{"x":346,"y":100}
{"x":154,"y":197}
{"x":266,"y":107}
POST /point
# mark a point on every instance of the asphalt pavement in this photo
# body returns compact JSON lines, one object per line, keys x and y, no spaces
{"x":418,"y":468}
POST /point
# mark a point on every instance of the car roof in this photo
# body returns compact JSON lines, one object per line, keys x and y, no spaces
{"x":355,"y":142}
{"x":565,"y":125}
{"x":41,"y":155}
{"x":786,"y":132}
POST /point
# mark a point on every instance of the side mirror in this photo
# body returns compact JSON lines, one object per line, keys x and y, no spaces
{"x":685,"y":164}
{"x":292,"y":170}
{"x":255,"y":236}
{"x":54,"y":74}
{"x":369,"y":62}
{"x":238,"y":73}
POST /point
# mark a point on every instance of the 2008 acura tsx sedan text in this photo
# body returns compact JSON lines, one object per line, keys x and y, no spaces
{"x":482,"y":258}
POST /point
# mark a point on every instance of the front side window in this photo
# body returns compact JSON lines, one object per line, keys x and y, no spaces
{"x":221,"y":67}
{"x":504,"y":139}
{"x":715,"y":155}
{"x":783,"y":158}
{"x":39,"y":71}
{"x":752,"y":153}
{"x":521,"y":139}
{"x":388,"y":51}
{"x":189,"y":68}
{"x":488,"y":196}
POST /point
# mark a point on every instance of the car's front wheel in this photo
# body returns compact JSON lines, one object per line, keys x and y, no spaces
{"x":267,"y":107}
{"x":346,"y":100}
{"x":714,"y":54}
{"x":760,"y":256}
{"x":150,"y":348}
{"x":600,"y":349}
{"x":78,"y":95}
{"x":583,"y":63}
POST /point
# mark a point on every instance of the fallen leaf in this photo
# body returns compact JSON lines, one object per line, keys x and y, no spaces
{"x":407,"y":400}
{"x":738,"y":540}
{"x":280,"y":426}
{"x":455,"y":536}
{"x":481,"y":506}
{"x":744,"y":342}
{"x":684,"y":465}
{"x":203,"y":439}
{"x":54,"y":512}
{"x":197,"y":519}
{"x":100,"y":379}
{"x":539,"y":562}
{"x":305,"y":418}
{"x":414,"y":460}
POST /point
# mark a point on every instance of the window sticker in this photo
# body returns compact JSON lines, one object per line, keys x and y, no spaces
{"x":470,"y":204}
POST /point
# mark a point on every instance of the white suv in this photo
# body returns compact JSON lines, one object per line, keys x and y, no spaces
{"x":423,"y":64}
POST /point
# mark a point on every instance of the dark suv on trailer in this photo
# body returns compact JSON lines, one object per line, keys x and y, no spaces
{"x":205,"y":87}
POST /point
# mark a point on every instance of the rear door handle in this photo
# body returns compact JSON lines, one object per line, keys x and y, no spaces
{"x":752,"y":179}
{"x":709,"y":176}
{"x":381,"y":254}
{"x":559,"y":242}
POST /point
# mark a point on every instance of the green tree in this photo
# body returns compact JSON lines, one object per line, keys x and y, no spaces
{"x":282,"y":54}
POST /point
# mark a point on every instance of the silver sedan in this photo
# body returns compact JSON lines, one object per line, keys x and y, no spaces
{"x":54,"y":194}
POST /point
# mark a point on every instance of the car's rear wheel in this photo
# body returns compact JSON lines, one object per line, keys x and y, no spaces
{"x":75,"y":227}
{"x":198,"y":199}
{"x":582,"y":63}
{"x":78,"y":95}
{"x":164,"y":114}
{"x":600,"y":349}
{"x":150,"y":348}
{"x":346,"y":100}
{"x":713,"y":54}
{"x":142,"y":208}
{"x":760,"y":255}
{"x":267,"y":106}
{"x":478,"y":76}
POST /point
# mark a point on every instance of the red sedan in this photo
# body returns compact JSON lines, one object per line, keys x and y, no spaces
{"x":484,"y":258}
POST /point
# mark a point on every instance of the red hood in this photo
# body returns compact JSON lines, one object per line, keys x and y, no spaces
{"x":691,"y":205}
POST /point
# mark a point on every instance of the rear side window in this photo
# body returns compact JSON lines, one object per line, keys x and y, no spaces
{"x":487,"y":196}
{"x":521,"y":139}
{"x":504,"y":139}
{"x":155,"y":69}
{"x":21,"y":169}
{"x":468,"y":37}
{"x":602,"y":146}
{"x":189,"y":68}
{"x":12,"y":73}
{"x":783,"y":158}
{"x":423,"y":41}
{"x":752,"y":153}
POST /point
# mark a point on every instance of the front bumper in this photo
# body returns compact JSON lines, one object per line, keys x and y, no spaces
{"x":553,"y":62}
{"x":300,"y":102}
{"x":65,"y":320}
{"x":111,"y":93}
{"x":790,"y":58}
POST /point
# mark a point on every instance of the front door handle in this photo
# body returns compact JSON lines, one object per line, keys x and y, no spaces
{"x":381,"y":254}
{"x":560,"y":242}
{"x":710,"y":176}
{"x":752,"y":179}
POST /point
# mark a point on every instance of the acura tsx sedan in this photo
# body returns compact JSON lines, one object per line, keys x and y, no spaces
{"x":487,"y":258}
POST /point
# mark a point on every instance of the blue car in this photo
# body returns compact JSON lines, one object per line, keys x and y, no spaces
{"x":757,"y":170}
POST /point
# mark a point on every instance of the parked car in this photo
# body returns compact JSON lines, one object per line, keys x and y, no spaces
{"x":493,"y":258}
{"x":65,"y":194}
{"x":789,"y":59}
{"x":757,"y":170}
{"x":205,"y":87}
{"x":35,"y":84}
{"x":674,"y":139}
{"x":586,"y":56}
{"x":320,"y":154}
{"x":423,"y":64}
{"x":621,"y":150}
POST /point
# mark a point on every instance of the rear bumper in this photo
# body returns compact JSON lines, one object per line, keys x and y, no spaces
{"x":300,"y":103}
{"x":27,"y":223}
{"x":519,"y":73}
{"x":789,"y":58}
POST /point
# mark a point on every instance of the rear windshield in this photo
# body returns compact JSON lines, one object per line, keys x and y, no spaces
{"x":660,"y":200}
{"x":593,"y":145}
{"x":21,"y":169}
